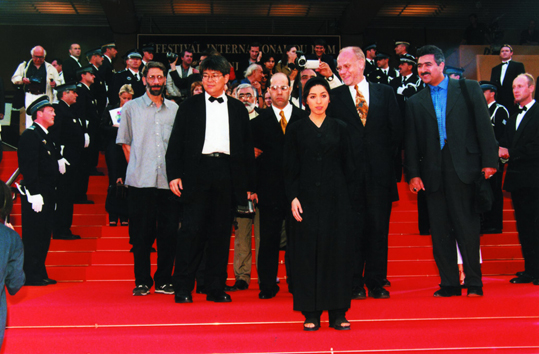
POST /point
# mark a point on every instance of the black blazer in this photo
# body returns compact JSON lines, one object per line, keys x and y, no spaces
{"x":38,"y":161}
{"x":187,"y":141}
{"x":375,"y":144}
{"x":122,"y":78}
{"x":86,"y":109}
{"x":99,"y":90}
{"x":68,"y":130}
{"x":69,"y":68}
{"x":268,"y":136}
{"x":470,"y":136}
{"x":107,"y":71}
{"x":523,"y":145}
{"x":505,"y":92}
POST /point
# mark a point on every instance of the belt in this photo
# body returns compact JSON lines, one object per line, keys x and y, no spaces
{"x":217,"y":154}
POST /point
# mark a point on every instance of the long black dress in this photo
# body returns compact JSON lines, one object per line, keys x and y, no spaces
{"x":319,"y":171}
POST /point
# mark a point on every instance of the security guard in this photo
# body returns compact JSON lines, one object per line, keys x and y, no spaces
{"x":132,"y":76}
{"x":40,"y":165}
{"x":384,"y":74}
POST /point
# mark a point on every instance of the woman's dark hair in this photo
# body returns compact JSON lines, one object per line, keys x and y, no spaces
{"x":6,"y":201}
{"x":215,"y":63}
{"x":284,"y":59}
{"x":315,"y":81}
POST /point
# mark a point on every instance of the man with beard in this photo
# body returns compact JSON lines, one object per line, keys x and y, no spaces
{"x":243,"y":234}
{"x":145,"y":128}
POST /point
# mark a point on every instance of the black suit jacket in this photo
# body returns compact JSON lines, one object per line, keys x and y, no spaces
{"x":99,"y":90}
{"x":523,"y":145}
{"x":68,"y":130}
{"x":69,"y":68}
{"x":375,"y":144}
{"x":107,"y":71}
{"x":268,"y":136}
{"x":187,"y":141}
{"x":505,"y":92}
{"x":122,"y":78}
{"x":469,"y":134}
{"x":86,"y":109}
{"x":38,"y":161}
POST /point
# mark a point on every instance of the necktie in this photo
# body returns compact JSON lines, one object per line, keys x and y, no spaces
{"x":505,"y":63}
{"x":218,"y":99}
{"x":522,"y":109}
{"x":283,"y":121}
{"x":136,"y":76}
{"x":361,"y":106}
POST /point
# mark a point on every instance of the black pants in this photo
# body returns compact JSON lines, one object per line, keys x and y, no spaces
{"x":271,"y":224}
{"x":153,"y":213}
{"x":526,"y":203}
{"x":453,"y":219}
{"x":494,"y":217}
{"x":63,"y":215}
{"x":371,"y":222}
{"x":36,"y":236}
{"x":207,"y":224}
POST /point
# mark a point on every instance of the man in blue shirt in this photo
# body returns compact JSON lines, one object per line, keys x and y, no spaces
{"x":448,"y":146}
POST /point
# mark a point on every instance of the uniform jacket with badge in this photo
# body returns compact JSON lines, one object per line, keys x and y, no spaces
{"x":38,"y":162}
{"x":122,"y":78}
{"x":68,"y":131}
{"x":379,"y":77}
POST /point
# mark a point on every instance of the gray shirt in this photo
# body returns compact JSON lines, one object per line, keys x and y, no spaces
{"x":146,"y":128}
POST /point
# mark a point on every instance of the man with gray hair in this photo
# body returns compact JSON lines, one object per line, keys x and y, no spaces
{"x":253,"y":76}
{"x":37,"y":77}
{"x":243,"y":234}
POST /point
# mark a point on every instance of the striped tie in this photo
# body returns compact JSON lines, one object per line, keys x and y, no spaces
{"x":283,"y":121}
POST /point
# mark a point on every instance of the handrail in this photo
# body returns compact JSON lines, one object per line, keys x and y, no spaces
{"x":13,"y":177}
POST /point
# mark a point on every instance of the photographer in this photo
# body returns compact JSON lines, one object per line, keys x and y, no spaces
{"x":37,"y":78}
{"x":178,"y":78}
{"x":287,"y":64}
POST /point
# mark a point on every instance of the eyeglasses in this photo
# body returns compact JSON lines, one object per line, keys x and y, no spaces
{"x":275,"y":87}
{"x":213,"y":77}
{"x":158,"y":77}
{"x":245,"y":95}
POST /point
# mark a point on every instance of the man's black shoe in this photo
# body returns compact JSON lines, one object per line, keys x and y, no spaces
{"x":523,"y":279}
{"x":475,"y":291}
{"x":536,"y":282}
{"x":386,"y":282}
{"x":41,"y":282}
{"x":268,"y":294}
{"x":359,"y":294}
{"x":66,"y":237}
{"x":448,"y":291}
{"x":50,"y":281}
{"x":378,"y":293}
{"x":200,"y":289}
{"x":218,"y":297}
{"x":182,"y":299}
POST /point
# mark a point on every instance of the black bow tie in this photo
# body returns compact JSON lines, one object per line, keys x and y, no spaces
{"x":218,"y":99}
{"x":523,"y":109}
{"x":505,"y":63}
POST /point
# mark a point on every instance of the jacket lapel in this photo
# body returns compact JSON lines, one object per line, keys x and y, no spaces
{"x":347,"y":101}
{"x":426,"y":102}
{"x":453,"y":94}
{"x":522,"y":126}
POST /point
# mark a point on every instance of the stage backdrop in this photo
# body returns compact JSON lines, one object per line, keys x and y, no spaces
{"x":234,"y":47}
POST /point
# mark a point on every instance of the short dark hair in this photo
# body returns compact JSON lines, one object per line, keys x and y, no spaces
{"x":6,"y":201}
{"x":320,"y":41}
{"x":216,"y":63}
{"x":182,"y":54}
{"x":58,"y":61}
{"x":428,"y":49}
{"x":315,"y":81}
{"x":254,"y":44}
{"x":151,"y":65}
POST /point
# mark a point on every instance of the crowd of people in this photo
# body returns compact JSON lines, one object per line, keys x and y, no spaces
{"x":308,"y":152}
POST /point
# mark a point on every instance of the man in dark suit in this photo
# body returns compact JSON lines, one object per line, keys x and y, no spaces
{"x":448,"y":146}
{"x":370,"y":58}
{"x":203,"y":150}
{"x":106,"y":69}
{"x":132,"y":75}
{"x":384,"y":73}
{"x":72,"y":64}
{"x":98,"y":88}
{"x":522,"y":149}
{"x":376,"y":129}
{"x":268,"y":135}
{"x":68,"y":136}
{"x":39,"y":166}
{"x":503,"y":75}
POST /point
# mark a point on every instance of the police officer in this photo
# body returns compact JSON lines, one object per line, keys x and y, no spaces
{"x":40,"y":165}
{"x":132,"y":75}
{"x":384,"y":74}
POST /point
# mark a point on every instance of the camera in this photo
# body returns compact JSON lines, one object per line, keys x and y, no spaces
{"x":301,"y":61}
{"x":171,"y":57}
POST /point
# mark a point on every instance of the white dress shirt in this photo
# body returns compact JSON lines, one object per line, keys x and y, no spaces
{"x":363,"y":87}
{"x":504,"y":70}
{"x":521,"y":115}
{"x":217,"y":138}
{"x":287,"y":112}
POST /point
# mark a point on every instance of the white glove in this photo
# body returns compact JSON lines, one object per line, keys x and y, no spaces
{"x":36,"y":201}
{"x":86,"y":140}
{"x":62,"y":165}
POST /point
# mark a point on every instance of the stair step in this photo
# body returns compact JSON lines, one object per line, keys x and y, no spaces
{"x":67,"y":258}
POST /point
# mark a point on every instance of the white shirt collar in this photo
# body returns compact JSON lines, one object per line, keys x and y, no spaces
{"x":42,"y":127}
{"x":491,"y":103}
{"x":223,"y":96}
{"x":77,"y":59}
{"x":134,"y":73}
{"x":528,"y":106}
{"x":287,"y":111}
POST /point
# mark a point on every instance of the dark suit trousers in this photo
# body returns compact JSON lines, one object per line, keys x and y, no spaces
{"x":494,"y":217}
{"x":271,"y":222}
{"x":371,"y":222}
{"x":207,"y":224}
{"x":63,"y":215}
{"x":36,"y":237}
{"x":153,"y":213}
{"x":526,"y":203}
{"x":452,"y":217}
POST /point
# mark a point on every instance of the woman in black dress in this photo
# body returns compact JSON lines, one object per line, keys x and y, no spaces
{"x":318,"y":176}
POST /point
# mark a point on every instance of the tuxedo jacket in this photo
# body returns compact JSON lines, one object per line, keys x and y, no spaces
{"x":523,"y":145}
{"x":187,"y":141}
{"x":38,"y":161}
{"x":375,"y":144}
{"x":268,"y":136}
{"x":69,"y":68}
{"x":505,"y":92}
{"x":470,"y":136}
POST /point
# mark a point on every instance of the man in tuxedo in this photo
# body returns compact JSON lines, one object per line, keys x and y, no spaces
{"x":72,"y":64}
{"x":521,"y":147}
{"x":492,"y":222}
{"x":503,"y":75}
{"x":154,"y":212}
{"x":448,"y":146}
{"x":376,"y":127}
{"x":268,"y":134}
{"x":204,"y":148}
